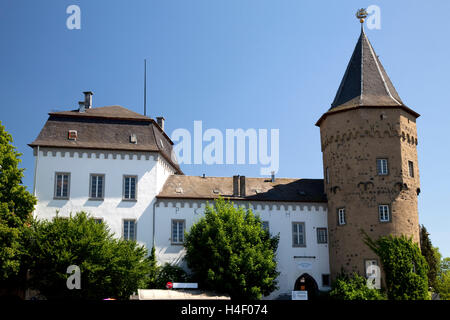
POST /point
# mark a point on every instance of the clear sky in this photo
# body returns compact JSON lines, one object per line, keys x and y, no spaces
{"x":232,"y":64}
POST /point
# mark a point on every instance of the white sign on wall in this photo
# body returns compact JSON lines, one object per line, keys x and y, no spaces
{"x":304,"y":265}
{"x":299,"y":295}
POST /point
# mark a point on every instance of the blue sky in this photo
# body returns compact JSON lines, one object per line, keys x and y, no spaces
{"x":232,"y":64}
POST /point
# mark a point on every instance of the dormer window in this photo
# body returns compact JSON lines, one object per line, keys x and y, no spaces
{"x":72,"y":135}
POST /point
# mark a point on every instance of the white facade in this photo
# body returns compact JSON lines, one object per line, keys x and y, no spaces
{"x":152,"y":171}
{"x":292,"y":261}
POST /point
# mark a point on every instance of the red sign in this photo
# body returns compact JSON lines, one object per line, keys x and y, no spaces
{"x":169,"y":285}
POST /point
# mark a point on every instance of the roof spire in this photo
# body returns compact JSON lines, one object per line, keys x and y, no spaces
{"x":361,"y":14}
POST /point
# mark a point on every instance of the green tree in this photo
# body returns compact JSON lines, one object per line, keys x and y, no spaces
{"x":443,"y":279}
{"x":353,"y":287}
{"x":228,"y":251}
{"x":16,"y":206}
{"x":110,"y":267}
{"x":431,"y":255}
{"x":404,"y":266}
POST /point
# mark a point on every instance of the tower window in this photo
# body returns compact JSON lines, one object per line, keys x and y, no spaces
{"x":298,"y":234}
{"x":383,"y":212}
{"x":341,"y":216}
{"x":382,"y":167}
{"x":322,"y":235}
{"x":411,"y":168}
{"x":327,"y":175}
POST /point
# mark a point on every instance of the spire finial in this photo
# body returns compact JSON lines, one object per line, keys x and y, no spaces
{"x":361,"y":14}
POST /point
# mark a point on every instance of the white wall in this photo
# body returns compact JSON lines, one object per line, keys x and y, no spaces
{"x":151,"y":170}
{"x":280,"y":217}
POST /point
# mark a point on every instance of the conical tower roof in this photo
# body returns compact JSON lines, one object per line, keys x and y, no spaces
{"x":365,"y":82}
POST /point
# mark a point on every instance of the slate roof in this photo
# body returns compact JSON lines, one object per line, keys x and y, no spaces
{"x":106,"y":128}
{"x":257,"y":189}
{"x":365,"y":83}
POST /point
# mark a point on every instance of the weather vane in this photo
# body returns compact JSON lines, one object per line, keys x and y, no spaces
{"x":361,"y":14}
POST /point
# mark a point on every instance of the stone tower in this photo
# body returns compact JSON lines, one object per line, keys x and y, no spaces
{"x":369,"y":141}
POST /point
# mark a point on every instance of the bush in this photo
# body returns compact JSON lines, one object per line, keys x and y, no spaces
{"x":404,"y":266}
{"x":170,"y":273}
{"x":354,"y":288}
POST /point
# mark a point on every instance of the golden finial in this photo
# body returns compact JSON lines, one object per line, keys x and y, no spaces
{"x":361,"y":14}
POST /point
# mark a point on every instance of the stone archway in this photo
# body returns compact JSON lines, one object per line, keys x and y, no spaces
{"x":307,"y":283}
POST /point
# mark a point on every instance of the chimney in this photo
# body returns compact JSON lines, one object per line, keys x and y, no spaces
{"x":81,"y":107}
{"x":242,"y":182}
{"x":273,"y":176}
{"x":235,"y":186}
{"x":160,"y":121}
{"x":88,"y":99}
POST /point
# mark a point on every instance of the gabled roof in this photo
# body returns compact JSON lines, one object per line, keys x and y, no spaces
{"x":365,"y":83}
{"x":257,"y":189}
{"x":106,"y":128}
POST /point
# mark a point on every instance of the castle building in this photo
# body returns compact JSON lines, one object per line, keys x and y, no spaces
{"x":119,"y":166}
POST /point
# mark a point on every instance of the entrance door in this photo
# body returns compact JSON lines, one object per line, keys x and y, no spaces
{"x":307,"y":283}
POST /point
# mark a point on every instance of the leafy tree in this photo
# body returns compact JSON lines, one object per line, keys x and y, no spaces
{"x":228,"y":251}
{"x":16,"y":206}
{"x":443,"y":279}
{"x":354,"y":287}
{"x":109,"y":267}
{"x":431,"y":256}
{"x":404,"y":266}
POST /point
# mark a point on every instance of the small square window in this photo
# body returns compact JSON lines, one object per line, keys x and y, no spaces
{"x":73,"y":135}
{"x":178,"y":227}
{"x":129,"y":229}
{"x":383,"y":212}
{"x":341,"y":216}
{"x":322,"y":236}
{"x":382,"y":167}
{"x":62,"y":185}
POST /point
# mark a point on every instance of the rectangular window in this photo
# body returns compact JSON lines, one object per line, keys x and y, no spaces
{"x":129,"y":229}
{"x":383,"y":212}
{"x":322,"y":236}
{"x":341,"y":216}
{"x":265,"y":225}
{"x":129,"y":187}
{"x":298,"y":234}
{"x":325,"y":280}
{"x":382,"y":167}
{"x":97,"y":185}
{"x":327,"y":175}
{"x":98,"y":220}
{"x":62,"y":185}
{"x":411,"y":168}
{"x":178,"y":227}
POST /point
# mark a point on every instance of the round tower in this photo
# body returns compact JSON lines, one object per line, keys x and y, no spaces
{"x":371,"y":175}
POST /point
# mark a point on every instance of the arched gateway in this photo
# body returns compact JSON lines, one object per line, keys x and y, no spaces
{"x":307,"y":283}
